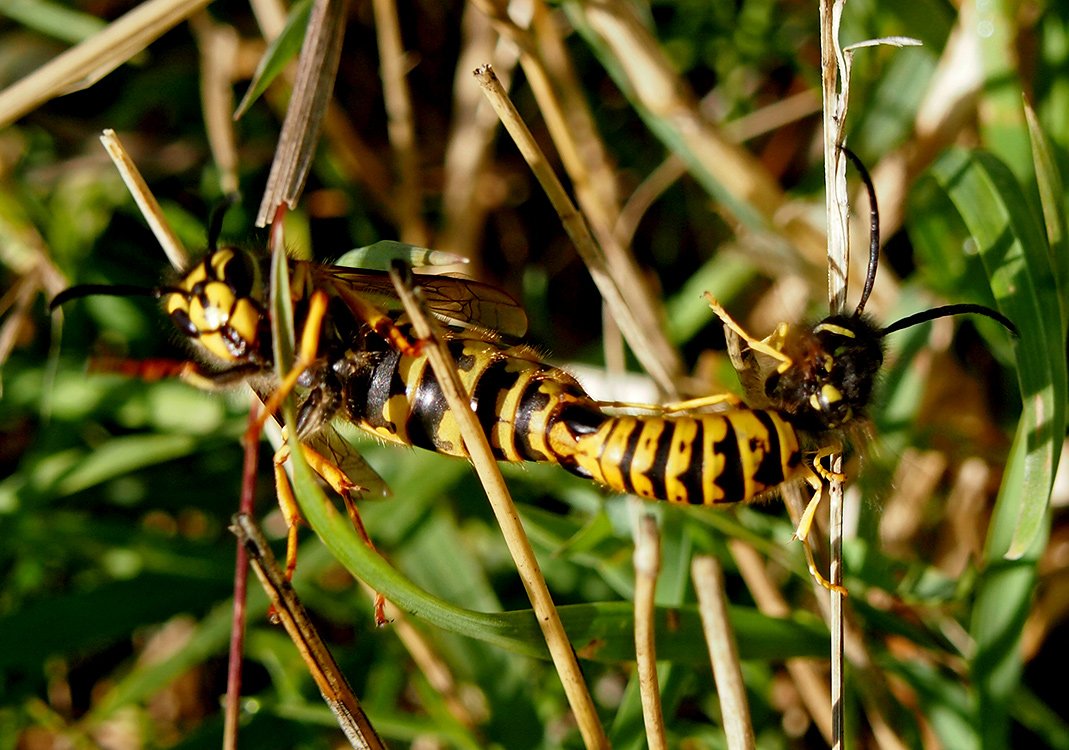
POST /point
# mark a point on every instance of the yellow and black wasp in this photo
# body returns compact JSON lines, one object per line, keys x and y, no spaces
{"x":806,"y":386}
{"x":360,"y":363}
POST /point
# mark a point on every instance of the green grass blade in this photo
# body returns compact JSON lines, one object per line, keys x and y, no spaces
{"x":1014,"y":251}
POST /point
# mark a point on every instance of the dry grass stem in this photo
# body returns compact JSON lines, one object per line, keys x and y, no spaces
{"x":756,"y":196}
{"x":84,"y":64}
{"x":474,"y":125}
{"x":577,"y":230}
{"x":402,"y":132}
{"x":572,"y":127}
{"x":146,"y":201}
{"x":560,"y":649}
{"x":837,"y":210}
{"x":723,"y":652}
{"x":317,"y":657}
{"x":564,"y":108}
{"x":809,"y":679}
{"x":647,"y":559}
{"x":316,"y":70}
{"x":218,"y":53}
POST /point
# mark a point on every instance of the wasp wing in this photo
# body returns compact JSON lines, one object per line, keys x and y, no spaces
{"x":456,"y":301}
{"x":340,"y":452}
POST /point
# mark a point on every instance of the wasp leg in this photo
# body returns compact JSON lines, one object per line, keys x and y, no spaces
{"x":306,"y":355}
{"x":381,"y":323}
{"x":770,"y":346}
{"x":152,"y":370}
{"x":801,"y":533}
{"x":717,"y":399}
{"x":338,"y":481}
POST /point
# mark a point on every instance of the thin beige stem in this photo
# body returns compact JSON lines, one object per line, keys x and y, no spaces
{"x":560,"y":649}
{"x":807,"y":676}
{"x":577,"y":229}
{"x":317,"y":657}
{"x":402,"y":133}
{"x":146,"y":201}
{"x":647,"y":561}
{"x":86,"y":63}
{"x":723,"y":652}
{"x":837,"y":210}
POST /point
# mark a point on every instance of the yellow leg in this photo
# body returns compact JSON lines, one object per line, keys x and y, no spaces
{"x":758,"y":345}
{"x":805,"y":525}
{"x":340,"y":483}
{"x":691,"y":404}
{"x":827,"y":474}
{"x":291,"y":513}
{"x":306,"y":355}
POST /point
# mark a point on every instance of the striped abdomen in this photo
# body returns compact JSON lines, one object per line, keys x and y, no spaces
{"x":516,"y":398}
{"x":702,"y":459}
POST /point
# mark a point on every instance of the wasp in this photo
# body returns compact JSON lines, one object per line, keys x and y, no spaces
{"x":807,"y":391}
{"x":360,"y":362}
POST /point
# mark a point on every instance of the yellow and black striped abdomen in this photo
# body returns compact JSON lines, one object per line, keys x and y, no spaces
{"x":516,"y":398}
{"x":703,"y":459}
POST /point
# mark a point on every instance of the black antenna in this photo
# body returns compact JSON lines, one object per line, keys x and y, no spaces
{"x":105,"y":290}
{"x":874,"y":230}
{"x":963,"y":308}
{"x":215,"y":220}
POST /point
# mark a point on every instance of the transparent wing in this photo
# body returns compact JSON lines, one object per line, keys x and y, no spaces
{"x":456,"y":301}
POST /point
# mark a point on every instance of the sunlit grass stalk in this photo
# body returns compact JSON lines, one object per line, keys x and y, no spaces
{"x":289,"y":610}
{"x":837,"y":211}
{"x":478,"y":449}
{"x":647,"y":561}
{"x":808,"y":678}
{"x":708,"y":580}
{"x":84,"y":64}
{"x":146,"y":201}
{"x":578,"y":231}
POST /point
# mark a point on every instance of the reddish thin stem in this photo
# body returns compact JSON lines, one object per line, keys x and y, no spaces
{"x":241,"y":570}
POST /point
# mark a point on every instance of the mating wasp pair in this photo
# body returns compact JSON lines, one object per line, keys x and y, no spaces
{"x":360,"y":362}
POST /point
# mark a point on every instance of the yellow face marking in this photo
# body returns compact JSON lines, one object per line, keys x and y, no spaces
{"x":832,"y":328}
{"x":830,"y":394}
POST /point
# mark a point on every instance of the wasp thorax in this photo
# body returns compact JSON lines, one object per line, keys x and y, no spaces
{"x":214,"y":304}
{"x":830,"y":379}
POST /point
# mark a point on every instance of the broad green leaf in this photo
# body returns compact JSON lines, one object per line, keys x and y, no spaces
{"x":1015,"y":254}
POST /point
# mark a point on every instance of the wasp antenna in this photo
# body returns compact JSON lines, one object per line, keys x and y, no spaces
{"x":874,"y":230}
{"x":102,"y":290}
{"x":964,"y":308}
{"x":215,"y":219}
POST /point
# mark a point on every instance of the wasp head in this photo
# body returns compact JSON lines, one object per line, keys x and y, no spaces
{"x":216,"y":305}
{"x":830,"y":377}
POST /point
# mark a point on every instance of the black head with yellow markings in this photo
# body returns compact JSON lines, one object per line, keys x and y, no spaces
{"x":216,"y":304}
{"x":826,"y":378}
